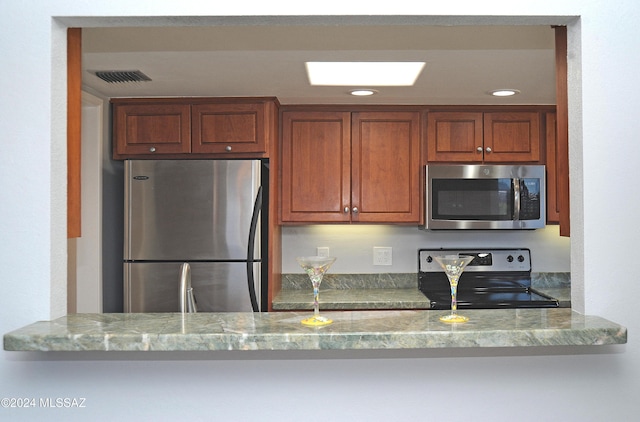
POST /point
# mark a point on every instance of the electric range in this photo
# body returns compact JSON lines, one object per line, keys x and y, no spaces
{"x":494,"y":279}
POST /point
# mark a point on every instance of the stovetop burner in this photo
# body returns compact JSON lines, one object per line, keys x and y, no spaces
{"x":496,"y":278}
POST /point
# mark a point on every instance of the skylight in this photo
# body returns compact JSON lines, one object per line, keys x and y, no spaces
{"x":364,"y":73}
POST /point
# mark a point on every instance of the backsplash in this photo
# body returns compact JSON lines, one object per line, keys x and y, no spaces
{"x":353,"y":281}
{"x":402,"y":281}
{"x":353,"y":246}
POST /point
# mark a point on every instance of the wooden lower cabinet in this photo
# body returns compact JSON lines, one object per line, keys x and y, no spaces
{"x":350,"y":167}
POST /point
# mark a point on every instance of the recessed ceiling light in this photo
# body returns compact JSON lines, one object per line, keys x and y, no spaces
{"x":363,"y":92}
{"x":364,"y":73}
{"x":504,"y":92}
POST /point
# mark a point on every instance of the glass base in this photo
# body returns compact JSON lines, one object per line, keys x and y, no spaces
{"x":316,"y":321}
{"x":451,"y":318}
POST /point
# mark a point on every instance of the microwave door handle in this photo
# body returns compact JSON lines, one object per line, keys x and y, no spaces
{"x":516,"y":199}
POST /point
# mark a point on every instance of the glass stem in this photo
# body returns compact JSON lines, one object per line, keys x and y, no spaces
{"x":315,"y":281}
{"x":454,"y":300}
{"x":316,"y":300}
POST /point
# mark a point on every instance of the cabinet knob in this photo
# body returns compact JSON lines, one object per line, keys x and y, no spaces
{"x":346,"y":210}
{"x":355,"y":210}
{"x":479,"y":149}
{"x":228,"y":148}
{"x":152,"y":149}
{"x":488,"y":149}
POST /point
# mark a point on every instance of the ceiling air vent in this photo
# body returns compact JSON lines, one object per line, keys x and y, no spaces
{"x":121,"y":76}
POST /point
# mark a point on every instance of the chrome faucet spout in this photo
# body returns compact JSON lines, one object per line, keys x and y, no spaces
{"x":186,"y":297}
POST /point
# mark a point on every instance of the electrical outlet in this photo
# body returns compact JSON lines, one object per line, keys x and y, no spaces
{"x":322,"y":251}
{"x":382,"y":255}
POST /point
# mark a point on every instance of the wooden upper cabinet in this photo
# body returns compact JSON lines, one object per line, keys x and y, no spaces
{"x":385,"y":167}
{"x":512,"y":137}
{"x":194,"y":127}
{"x":148,"y":128}
{"x":454,"y":136}
{"x":316,"y":154}
{"x":224,"y":128}
{"x":350,"y":167}
{"x":489,"y":137}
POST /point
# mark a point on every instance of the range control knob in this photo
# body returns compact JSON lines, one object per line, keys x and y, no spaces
{"x":509,"y":258}
{"x":520,"y":258}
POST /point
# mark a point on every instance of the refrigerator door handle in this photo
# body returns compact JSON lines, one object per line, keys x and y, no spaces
{"x":250,"y":250}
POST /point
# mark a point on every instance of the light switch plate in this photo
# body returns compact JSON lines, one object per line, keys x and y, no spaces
{"x":322,"y":251}
{"x":382,"y":255}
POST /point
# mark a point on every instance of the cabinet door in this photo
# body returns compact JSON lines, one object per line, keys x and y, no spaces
{"x":512,"y":137}
{"x":229,"y":128}
{"x":454,"y":136}
{"x":143,"y":129}
{"x":385,"y":167}
{"x":316,"y":153}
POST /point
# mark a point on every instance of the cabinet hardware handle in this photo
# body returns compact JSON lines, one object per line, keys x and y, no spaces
{"x":346,"y":210}
{"x":488,"y":149}
{"x":479,"y":149}
{"x":152,"y":149}
{"x":355,"y":210}
{"x":228,"y":148}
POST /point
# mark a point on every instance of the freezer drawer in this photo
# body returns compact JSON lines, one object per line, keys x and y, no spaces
{"x":217,"y":287}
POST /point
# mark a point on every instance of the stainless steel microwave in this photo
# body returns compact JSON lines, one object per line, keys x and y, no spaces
{"x":480,"y":197}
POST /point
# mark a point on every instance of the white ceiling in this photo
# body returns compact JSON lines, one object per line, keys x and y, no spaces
{"x":463,"y":62}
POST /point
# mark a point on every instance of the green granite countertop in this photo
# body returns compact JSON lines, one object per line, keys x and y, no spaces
{"x":364,"y":330}
{"x":351,"y":299}
{"x":361,"y":299}
{"x":383,"y":291}
{"x":351,"y":292}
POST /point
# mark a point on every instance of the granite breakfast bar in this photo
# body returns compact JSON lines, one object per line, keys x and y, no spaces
{"x":351,"y":330}
{"x":369,"y":313}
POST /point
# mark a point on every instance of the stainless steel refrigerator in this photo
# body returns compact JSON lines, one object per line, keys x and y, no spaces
{"x":207,"y":213}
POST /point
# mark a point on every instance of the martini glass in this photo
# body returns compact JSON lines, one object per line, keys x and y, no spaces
{"x":315,"y":267}
{"x":453,"y":265}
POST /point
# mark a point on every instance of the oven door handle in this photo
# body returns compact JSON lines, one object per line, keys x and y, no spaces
{"x":516,"y":199}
